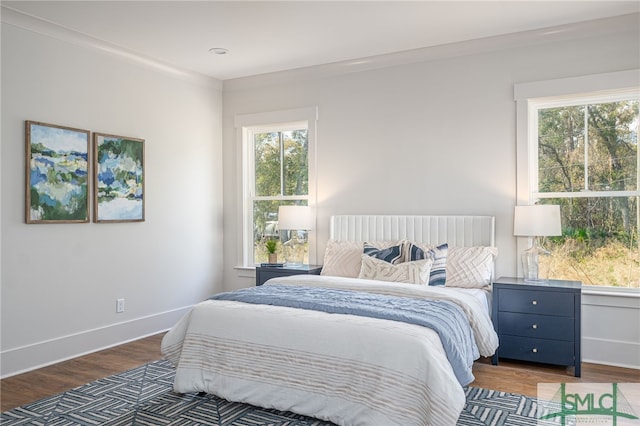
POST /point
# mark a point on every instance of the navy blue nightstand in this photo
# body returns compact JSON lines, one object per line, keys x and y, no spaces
{"x":538,"y":322}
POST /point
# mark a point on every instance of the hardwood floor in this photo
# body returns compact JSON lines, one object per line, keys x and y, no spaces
{"x":27,"y":387}
{"x":515,"y":377}
{"x":523,"y":377}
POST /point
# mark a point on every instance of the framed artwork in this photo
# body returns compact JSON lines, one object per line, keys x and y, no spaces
{"x":56,"y":174}
{"x":119,"y":178}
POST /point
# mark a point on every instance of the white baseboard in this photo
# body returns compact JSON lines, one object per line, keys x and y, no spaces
{"x":30,"y":357}
{"x":611,"y":352}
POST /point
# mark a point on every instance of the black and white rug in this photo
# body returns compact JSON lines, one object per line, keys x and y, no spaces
{"x":144,"y":396}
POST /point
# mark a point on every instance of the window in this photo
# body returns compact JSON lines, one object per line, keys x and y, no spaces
{"x":583,"y":155}
{"x":278,"y":169}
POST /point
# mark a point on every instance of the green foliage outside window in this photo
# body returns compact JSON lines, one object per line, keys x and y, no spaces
{"x":588,"y":164}
{"x":281,"y":178}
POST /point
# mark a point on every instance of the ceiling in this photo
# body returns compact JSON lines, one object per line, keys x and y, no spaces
{"x":268,"y":36}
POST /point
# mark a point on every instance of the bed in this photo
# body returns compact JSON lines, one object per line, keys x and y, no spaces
{"x":360,"y":344}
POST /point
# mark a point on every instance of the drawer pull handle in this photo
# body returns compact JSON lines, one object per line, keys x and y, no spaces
{"x":535,"y":350}
{"x":534,"y":326}
{"x":535,"y":302}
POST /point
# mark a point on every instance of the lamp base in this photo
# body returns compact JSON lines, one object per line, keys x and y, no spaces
{"x":294,"y":250}
{"x":531,"y":264}
{"x":536,"y":281}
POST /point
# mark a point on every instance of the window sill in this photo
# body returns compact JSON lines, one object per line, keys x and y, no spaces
{"x":246,"y":271}
{"x":612,"y":297}
{"x":611,"y":291}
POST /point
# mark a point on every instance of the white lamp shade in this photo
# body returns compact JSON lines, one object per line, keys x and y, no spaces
{"x":540,"y":220}
{"x":295,"y":218}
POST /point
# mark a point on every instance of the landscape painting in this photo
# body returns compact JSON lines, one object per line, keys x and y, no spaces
{"x":56,"y":174}
{"x":119,"y":178}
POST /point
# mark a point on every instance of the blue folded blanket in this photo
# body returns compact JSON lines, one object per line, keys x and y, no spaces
{"x":444,"y":317}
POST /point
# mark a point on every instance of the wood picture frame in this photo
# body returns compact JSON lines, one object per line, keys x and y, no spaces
{"x":57,"y":173}
{"x":118,"y":170}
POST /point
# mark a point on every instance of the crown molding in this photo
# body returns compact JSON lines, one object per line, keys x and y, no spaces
{"x":617,"y":24}
{"x":31,"y":23}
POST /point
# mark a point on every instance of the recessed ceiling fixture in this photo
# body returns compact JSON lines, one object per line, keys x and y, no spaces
{"x":219,"y":50}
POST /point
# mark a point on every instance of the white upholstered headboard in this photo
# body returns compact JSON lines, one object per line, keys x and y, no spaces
{"x":457,"y":231}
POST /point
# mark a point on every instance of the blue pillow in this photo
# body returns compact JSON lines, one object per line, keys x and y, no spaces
{"x":392,"y":254}
{"x":438,"y":275}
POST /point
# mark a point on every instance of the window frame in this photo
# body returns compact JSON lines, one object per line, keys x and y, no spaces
{"x":530,"y":97}
{"x":535,"y":105}
{"x":246,"y":126}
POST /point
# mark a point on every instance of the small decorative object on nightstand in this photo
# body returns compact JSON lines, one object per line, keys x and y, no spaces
{"x":265,"y":271}
{"x":538,"y":322}
{"x":272,"y":246}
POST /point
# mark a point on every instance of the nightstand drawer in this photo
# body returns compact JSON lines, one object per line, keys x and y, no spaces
{"x":267,"y":275}
{"x":537,"y":326}
{"x":537,"y":350}
{"x":536,"y":302}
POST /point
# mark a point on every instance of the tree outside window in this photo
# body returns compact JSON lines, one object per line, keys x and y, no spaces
{"x":588,"y":164}
{"x":281,"y":170}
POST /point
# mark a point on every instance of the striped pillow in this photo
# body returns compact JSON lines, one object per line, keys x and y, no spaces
{"x":438,"y":255}
{"x":408,"y":272}
{"x":393,"y":254}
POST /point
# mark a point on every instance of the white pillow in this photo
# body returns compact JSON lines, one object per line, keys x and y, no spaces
{"x":416,"y":272}
{"x":344,"y":258}
{"x":470,"y":267}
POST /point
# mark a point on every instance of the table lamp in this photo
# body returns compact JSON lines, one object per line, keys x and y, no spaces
{"x":540,"y":220}
{"x":294,"y":219}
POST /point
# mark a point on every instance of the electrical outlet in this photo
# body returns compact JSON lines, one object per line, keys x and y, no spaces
{"x":119,"y":306}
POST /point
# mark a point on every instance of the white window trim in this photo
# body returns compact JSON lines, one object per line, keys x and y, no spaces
{"x":533,"y":107}
{"x":244,"y":123}
{"x":531,"y":95}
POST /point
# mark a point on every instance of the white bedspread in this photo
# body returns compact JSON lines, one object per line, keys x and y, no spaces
{"x":346,"y":369}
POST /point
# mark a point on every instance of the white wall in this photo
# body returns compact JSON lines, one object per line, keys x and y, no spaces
{"x":430,"y":137}
{"x":60,"y":282}
{"x":611,"y":328}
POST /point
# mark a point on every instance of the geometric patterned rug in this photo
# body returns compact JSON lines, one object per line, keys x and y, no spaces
{"x":144,"y":396}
